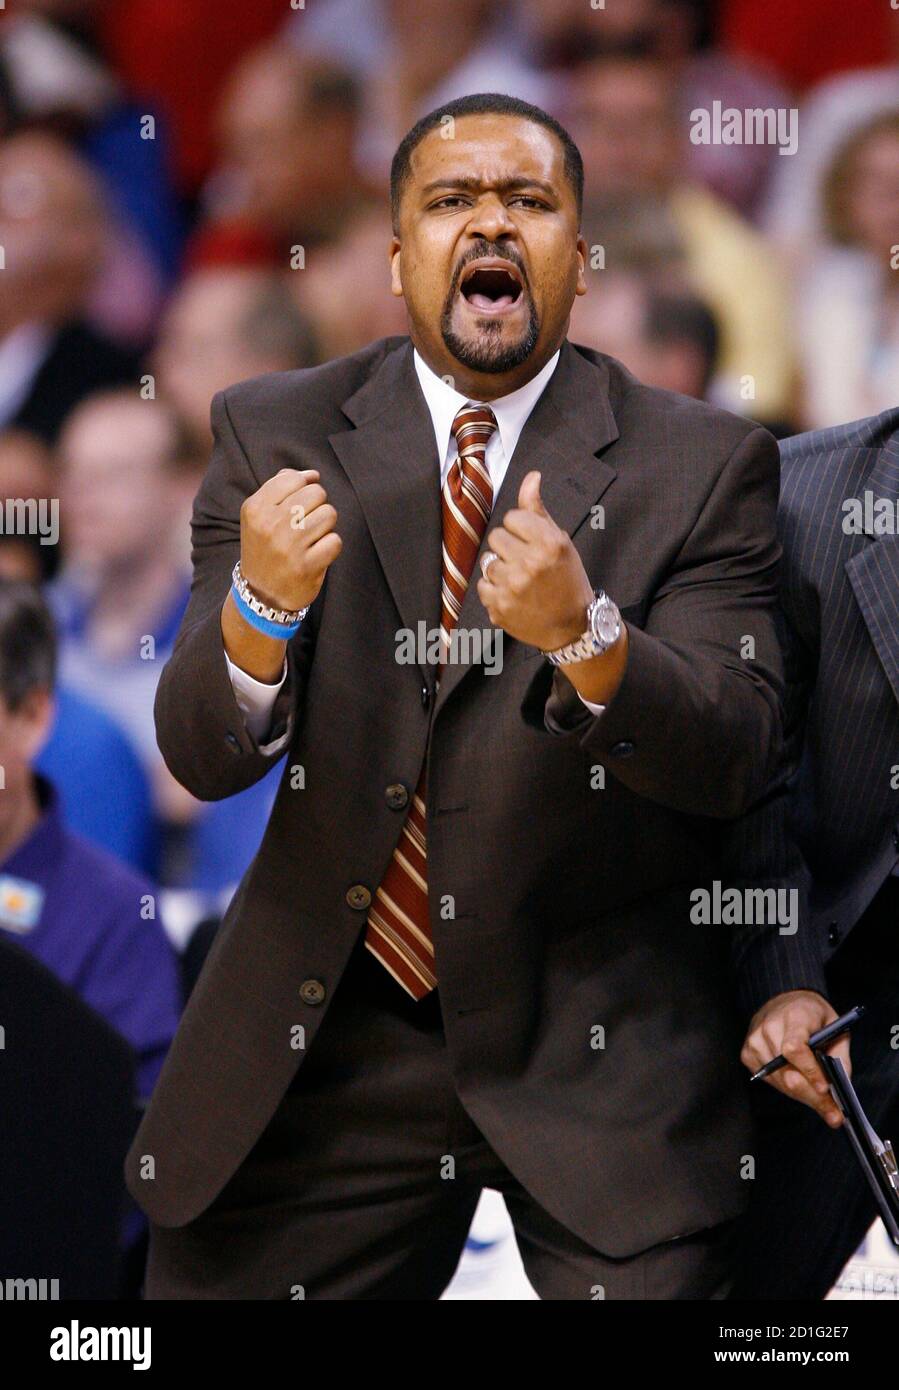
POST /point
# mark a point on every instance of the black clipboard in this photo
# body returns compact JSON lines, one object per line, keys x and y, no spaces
{"x":875,"y":1155}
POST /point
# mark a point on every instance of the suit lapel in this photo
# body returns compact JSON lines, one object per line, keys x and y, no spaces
{"x":571,"y":421}
{"x":391,"y":461}
{"x":874,"y":571}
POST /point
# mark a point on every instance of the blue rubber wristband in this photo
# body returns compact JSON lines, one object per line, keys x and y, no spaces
{"x":278,"y":630}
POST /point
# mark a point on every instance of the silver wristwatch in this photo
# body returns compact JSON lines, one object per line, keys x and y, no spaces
{"x":284,"y":617}
{"x":603,"y":631}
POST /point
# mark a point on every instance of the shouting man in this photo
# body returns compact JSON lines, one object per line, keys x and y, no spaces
{"x":464,"y":955}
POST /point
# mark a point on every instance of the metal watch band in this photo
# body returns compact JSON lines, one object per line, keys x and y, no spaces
{"x":280,"y":616}
{"x":587,"y":645}
{"x":581,"y":650}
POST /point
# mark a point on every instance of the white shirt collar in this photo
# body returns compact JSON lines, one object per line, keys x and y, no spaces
{"x":511,"y":411}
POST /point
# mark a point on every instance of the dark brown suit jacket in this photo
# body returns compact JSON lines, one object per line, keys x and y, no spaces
{"x":571,"y":901}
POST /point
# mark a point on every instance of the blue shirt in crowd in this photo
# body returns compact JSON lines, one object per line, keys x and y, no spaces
{"x":104,"y":791}
{"x":83,"y":914}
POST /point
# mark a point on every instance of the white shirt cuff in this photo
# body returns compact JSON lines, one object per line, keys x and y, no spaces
{"x":256,"y":700}
{"x":594,"y":709}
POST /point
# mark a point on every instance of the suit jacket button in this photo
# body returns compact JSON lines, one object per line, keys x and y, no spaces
{"x":233,"y":742}
{"x":624,"y":749}
{"x":359,"y":897}
{"x":896,"y":837}
{"x":833,"y":934}
{"x":396,"y":796}
{"x":425,"y":696}
{"x":312,"y":992}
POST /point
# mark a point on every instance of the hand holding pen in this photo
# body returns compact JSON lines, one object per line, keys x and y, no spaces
{"x":779,"y":1043}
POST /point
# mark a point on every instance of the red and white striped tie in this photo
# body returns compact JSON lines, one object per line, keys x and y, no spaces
{"x":398,"y":931}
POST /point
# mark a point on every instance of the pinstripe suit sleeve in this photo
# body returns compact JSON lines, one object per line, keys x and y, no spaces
{"x":760,"y":849}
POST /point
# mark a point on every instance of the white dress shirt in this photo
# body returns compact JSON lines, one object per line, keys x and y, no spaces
{"x":256,"y":699}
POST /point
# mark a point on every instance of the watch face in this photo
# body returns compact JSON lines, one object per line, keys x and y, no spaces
{"x":605,"y":622}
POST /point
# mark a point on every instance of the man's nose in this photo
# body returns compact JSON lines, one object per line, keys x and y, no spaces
{"x":490,"y":219}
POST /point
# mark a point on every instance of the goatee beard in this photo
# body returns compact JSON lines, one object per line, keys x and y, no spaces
{"x":489,"y":354}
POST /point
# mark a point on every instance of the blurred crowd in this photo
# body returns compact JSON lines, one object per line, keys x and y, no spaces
{"x":194,"y":193}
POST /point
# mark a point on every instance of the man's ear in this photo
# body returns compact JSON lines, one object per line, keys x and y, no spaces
{"x":583,"y":252}
{"x":396,"y":282}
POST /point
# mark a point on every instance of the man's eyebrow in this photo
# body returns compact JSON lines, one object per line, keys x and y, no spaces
{"x":471,"y":184}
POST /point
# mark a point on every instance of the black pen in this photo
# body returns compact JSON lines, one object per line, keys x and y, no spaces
{"x":819,"y":1039}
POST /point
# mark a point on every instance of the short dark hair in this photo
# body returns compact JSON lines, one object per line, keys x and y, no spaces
{"x":683,"y":317}
{"x":330,"y":87}
{"x":28,"y":643}
{"x":482,"y":104}
{"x":273,"y":323}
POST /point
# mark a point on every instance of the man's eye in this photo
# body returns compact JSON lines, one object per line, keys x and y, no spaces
{"x":450,"y":198}
{"x":526,"y":198}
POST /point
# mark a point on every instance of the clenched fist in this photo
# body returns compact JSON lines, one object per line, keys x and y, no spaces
{"x":537,"y":590}
{"x":287,"y":538}
{"x":287,"y":542}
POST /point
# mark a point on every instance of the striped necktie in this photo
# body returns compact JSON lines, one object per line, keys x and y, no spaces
{"x":398,"y":931}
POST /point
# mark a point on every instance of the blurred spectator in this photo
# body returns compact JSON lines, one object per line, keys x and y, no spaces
{"x":807,"y":40}
{"x":286,"y":175}
{"x":848,"y":300}
{"x":346,"y":321}
{"x":623,"y":113}
{"x":794,"y":213}
{"x":128,"y":475}
{"x":88,"y":918}
{"x":103,"y":789}
{"x":176,"y":54}
{"x":740,"y":173}
{"x":665,"y":335}
{"x":413,"y":55}
{"x":61,"y":83}
{"x":223,"y":326}
{"x":563,"y":36}
{"x":638,"y":233}
{"x":51,"y":229}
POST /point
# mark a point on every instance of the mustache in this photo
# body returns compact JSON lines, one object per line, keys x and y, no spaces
{"x":498,"y":253}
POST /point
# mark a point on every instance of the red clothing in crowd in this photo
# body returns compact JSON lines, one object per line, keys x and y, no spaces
{"x":805,"y":41}
{"x":232,"y":243}
{"x":178,"y":54}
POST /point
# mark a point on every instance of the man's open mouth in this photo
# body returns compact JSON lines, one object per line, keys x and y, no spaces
{"x":491,"y":285}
